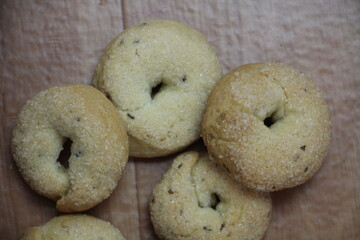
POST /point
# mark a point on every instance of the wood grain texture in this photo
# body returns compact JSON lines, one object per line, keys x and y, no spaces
{"x":47,"y":43}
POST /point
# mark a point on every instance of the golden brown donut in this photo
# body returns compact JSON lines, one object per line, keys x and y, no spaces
{"x":196,"y":199}
{"x":73,"y":227}
{"x":268,"y":125}
{"x":99,"y":149}
{"x":159,"y":75}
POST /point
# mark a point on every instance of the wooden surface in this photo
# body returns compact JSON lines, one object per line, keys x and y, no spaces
{"x":48,"y":43}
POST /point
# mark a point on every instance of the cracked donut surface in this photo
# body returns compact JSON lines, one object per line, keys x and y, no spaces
{"x":70,"y":227}
{"x":159,"y":74}
{"x":99,"y":149}
{"x":268,"y":125}
{"x":197,"y":200}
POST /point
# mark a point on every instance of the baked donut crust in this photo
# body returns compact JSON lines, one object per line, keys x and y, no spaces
{"x":159,"y":74}
{"x":268,"y":125}
{"x":99,"y":149}
{"x":71,"y":227}
{"x":196,"y":199}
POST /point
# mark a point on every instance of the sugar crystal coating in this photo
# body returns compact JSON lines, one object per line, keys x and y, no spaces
{"x":71,"y":227}
{"x":268,"y":124}
{"x":196,"y":199}
{"x":99,"y":149}
{"x":158,"y":75}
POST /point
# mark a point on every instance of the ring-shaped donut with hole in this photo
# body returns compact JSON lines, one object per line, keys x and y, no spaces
{"x":268,"y":125}
{"x":99,"y":149}
{"x":196,"y":199}
{"x":159,"y":74}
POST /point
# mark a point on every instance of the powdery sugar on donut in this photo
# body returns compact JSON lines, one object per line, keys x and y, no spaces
{"x":196,"y":199}
{"x":267,"y":125}
{"x":159,"y":74}
{"x":99,"y":149}
{"x":79,"y":227}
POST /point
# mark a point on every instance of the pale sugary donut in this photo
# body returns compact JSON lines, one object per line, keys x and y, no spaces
{"x":159,"y":74}
{"x":99,"y":149}
{"x":74,"y":227}
{"x":198,"y":200}
{"x":268,"y":125}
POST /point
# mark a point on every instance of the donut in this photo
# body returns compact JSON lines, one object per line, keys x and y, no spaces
{"x":159,"y":74}
{"x":198,"y":200}
{"x":73,"y":227}
{"x":268,"y":125}
{"x":99,"y":148}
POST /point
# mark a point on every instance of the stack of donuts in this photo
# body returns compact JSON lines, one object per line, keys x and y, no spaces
{"x":157,"y":88}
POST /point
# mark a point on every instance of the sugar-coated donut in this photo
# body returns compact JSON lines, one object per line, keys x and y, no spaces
{"x":159,"y":74}
{"x":99,"y":149}
{"x":198,"y":200}
{"x":73,"y":227}
{"x":268,"y":125}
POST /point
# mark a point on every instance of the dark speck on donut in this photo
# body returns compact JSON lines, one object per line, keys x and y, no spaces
{"x":78,"y":119}
{"x":222,"y":226}
{"x":144,"y":24}
{"x":305,"y":90}
{"x":136,"y":40}
{"x":121,"y":42}
{"x":184,"y":78}
{"x":273,"y":187}
{"x":303,"y":147}
{"x":206,"y":228}
{"x":153,"y":200}
{"x":306,"y":169}
{"x":78,"y":154}
{"x":171,"y":191}
{"x":227,"y":169}
{"x":130,"y":116}
{"x":181,"y":211}
{"x":180,"y":165}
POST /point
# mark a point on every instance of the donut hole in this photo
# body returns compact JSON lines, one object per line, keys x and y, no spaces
{"x":269,"y":121}
{"x":272,"y":119}
{"x":65,"y":153}
{"x":214,"y":200}
{"x":156,"y":89}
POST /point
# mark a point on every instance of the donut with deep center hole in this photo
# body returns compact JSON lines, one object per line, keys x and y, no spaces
{"x":78,"y":226}
{"x":159,"y":74}
{"x":99,"y":149}
{"x":268,"y":125}
{"x":196,"y":199}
